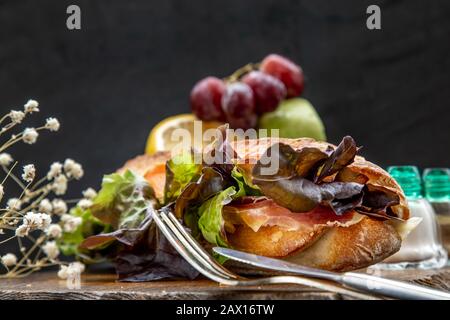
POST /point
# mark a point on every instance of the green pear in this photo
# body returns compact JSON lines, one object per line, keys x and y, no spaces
{"x":295,"y":118}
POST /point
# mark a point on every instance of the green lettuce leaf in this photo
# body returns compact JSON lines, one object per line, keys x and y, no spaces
{"x":195,"y":193}
{"x":201,"y":203}
{"x":123,"y":200}
{"x":69,"y":243}
{"x":122,"y":203}
{"x":180,"y":170}
{"x":211,"y":222}
{"x":244,"y":183}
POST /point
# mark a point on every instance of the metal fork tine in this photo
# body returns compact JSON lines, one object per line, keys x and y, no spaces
{"x":191,"y":245}
{"x":199,"y":249}
{"x":187,"y":254}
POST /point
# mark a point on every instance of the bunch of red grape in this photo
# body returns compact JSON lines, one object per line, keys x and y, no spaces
{"x":240,"y":100}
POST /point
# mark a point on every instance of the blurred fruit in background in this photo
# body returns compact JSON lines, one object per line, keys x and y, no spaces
{"x":294,"y":118}
{"x":206,"y":99}
{"x":238,"y":103}
{"x":248,"y":93}
{"x":254,"y":96}
{"x":288,"y":72}
{"x":161,"y":136}
{"x":268,"y":90}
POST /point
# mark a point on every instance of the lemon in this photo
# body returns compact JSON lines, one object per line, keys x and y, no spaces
{"x":183,"y":129}
{"x":295,"y":118}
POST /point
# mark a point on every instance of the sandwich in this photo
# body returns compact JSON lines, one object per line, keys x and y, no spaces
{"x":321,"y":205}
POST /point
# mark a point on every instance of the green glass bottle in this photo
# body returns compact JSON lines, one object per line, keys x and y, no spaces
{"x":437,"y":192}
{"x":408,"y":178}
{"x":437,"y":184}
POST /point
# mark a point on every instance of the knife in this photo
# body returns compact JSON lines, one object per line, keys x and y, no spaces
{"x":360,"y":281}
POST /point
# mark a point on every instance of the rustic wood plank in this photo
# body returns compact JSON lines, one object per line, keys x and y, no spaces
{"x":45,"y":285}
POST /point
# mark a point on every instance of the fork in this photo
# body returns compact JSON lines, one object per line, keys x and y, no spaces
{"x":205,"y":264}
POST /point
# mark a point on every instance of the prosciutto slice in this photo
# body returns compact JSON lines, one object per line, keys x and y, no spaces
{"x":259,"y":212}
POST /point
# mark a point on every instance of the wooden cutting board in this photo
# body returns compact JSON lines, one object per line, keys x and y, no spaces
{"x":101,"y":285}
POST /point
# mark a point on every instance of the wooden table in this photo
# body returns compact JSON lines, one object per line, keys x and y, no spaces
{"x":101,"y":285}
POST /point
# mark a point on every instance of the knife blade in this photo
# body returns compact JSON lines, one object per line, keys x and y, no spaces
{"x":360,"y":281}
{"x":275,"y":264}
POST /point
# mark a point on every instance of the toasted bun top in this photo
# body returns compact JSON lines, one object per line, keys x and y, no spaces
{"x":152,"y":168}
{"x":249,"y":151}
{"x":144,"y":163}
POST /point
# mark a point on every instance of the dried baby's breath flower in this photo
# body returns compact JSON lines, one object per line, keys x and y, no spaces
{"x":62,"y":273}
{"x":9,"y":259}
{"x":70,"y":223}
{"x":68,"y":164}
{"x":33,"y":221}
{"x":77,"y":171}
{"x":59,"y":206}
{"x":73,"y":270}
{"x":22,"y":231}
{"x":29,"y":173}
{"x":30,"y":135}
{"x":55,"y":170}
{"x":32,"y":212}
{"x":84,"y":204}
{"x":60,"y":185}
{"x":78,"y":265}
{"x":51,"y":250}
{"x":54,"y":231}
{"x":52,"y":124}
{"x":31,"y":106}
{"x":5,"y":159}
{"x":73,"y":169}
{"x":14,"y":204}
{"x":46,"y":221}
{"x":89,"y":193}
{"x":45,"y":206}
{"x":16,"y":116}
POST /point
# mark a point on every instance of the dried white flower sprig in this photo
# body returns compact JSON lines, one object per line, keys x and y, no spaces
{"x":31,"y":219}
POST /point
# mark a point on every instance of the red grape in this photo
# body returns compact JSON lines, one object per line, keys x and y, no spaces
{"x":247,"y":122}
{"x":268,"y":90}
{"x":285,"y":70}
{"x":206,"y":99}
{"x":238,"y":100}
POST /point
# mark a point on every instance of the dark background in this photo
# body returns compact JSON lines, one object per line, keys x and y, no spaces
{"x":134,"y":63}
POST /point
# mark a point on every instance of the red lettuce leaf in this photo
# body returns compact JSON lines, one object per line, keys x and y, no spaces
{"x":342,"y":196}
{"x":291,"y":163}
{"x":298,"y":183}
{"x":378,"y":199}
{"x":301,"y":195}
{"x":340,"y":158}
{"x":147,"y":255}
{"x":142,"y":253}
{"x":296,"y":194}
{"x":210,"y":182}
{"x":221,"y":153}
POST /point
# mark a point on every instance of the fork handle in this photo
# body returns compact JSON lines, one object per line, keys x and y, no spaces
{"x":392,"y":288}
